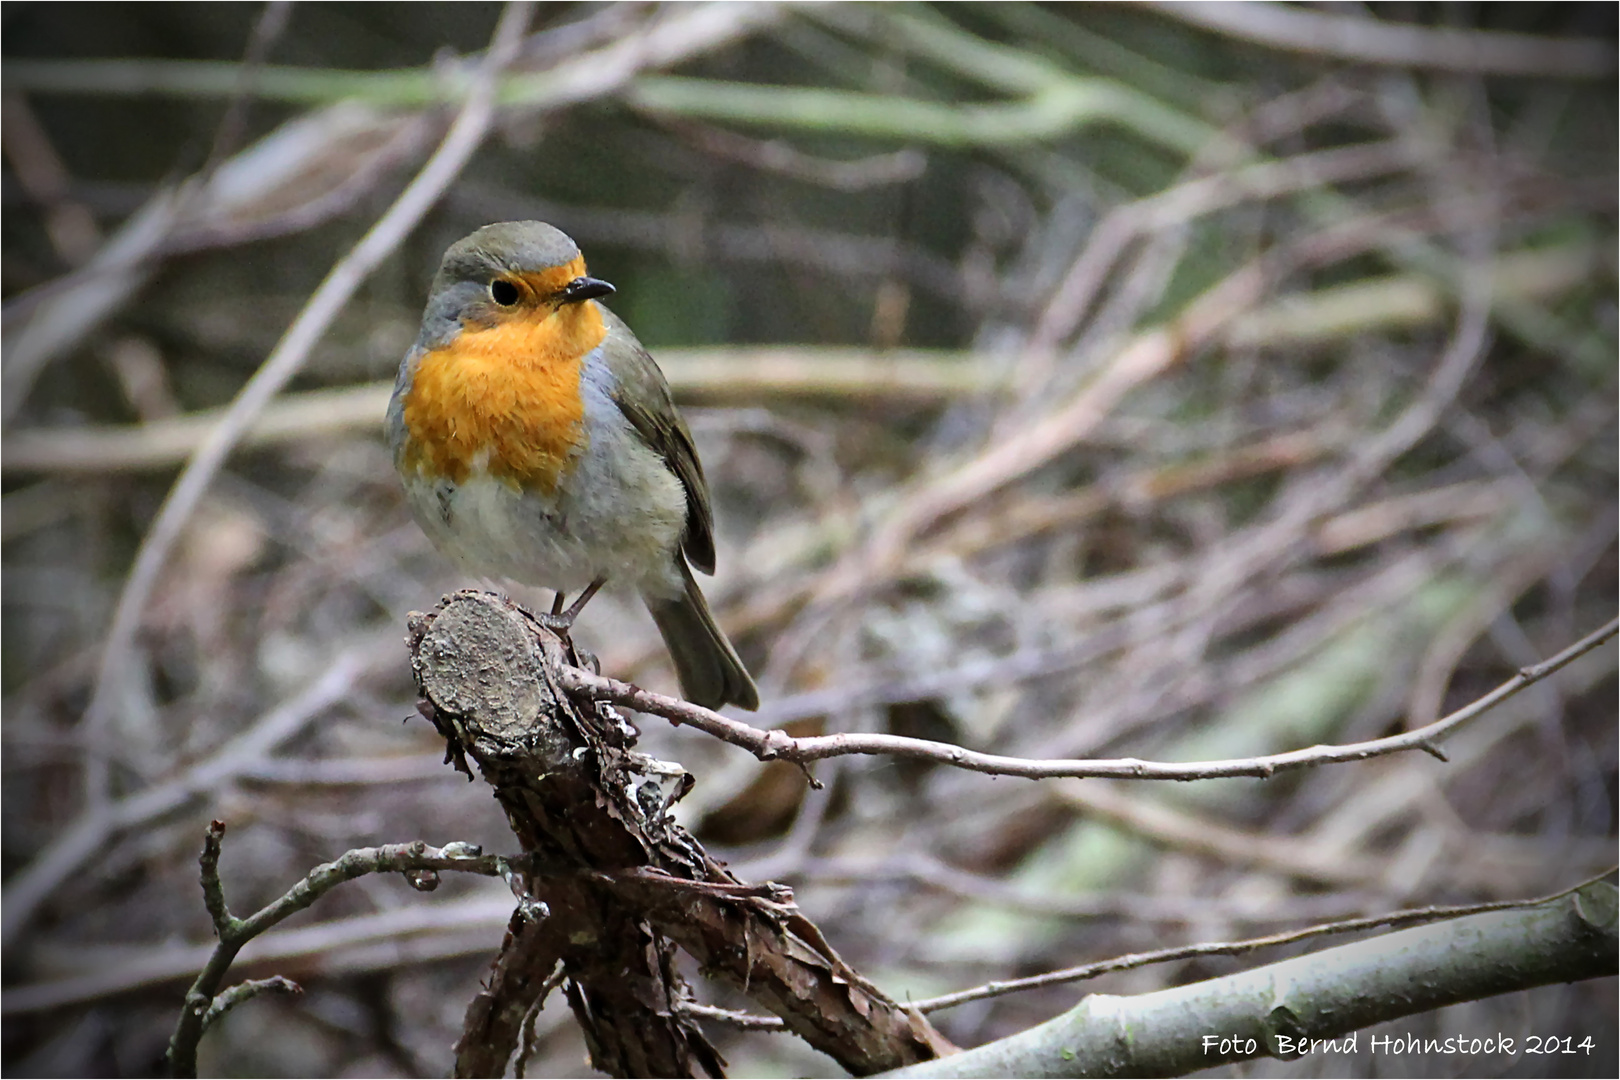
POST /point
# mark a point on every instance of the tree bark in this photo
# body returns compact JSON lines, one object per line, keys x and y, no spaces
{"x":611,"y":885}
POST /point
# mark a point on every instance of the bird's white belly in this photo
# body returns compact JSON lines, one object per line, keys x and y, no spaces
{"x":619,"y":513}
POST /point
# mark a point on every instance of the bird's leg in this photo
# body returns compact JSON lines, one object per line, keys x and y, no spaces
{"x":563,"y":621}
{"x":557,"y":603}
{"x":584,"y":598}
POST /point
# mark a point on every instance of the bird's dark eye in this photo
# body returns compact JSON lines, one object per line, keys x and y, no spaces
{"x":503,"y":292}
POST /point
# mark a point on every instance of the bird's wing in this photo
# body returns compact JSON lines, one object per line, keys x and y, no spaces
{"x":642,"y":394}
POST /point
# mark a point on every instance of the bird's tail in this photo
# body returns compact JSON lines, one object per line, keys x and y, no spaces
{"x":710,"y":672}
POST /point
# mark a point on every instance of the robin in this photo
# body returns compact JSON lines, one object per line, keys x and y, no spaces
{"x":538,"y":441}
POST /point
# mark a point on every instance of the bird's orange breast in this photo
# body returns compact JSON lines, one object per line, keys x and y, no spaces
{"x":504,"y":399}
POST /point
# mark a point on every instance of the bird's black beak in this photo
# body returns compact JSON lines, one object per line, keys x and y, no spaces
{"x":585,"y":288}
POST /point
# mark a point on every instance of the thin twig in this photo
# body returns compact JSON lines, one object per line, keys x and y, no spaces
{"x":229,"y":999}
{"x":204,"y":1001}
{"x":1000,"y":988}
{"x":776,"y":745}
{"x":1394,"y":920}
{"x":267,"y":28}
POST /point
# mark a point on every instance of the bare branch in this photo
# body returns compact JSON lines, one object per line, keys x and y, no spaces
{"x":775,"y":745}
{"x":1001,"y":987}
{"x":1373,"y":41}
{"x":1392,"y":921}
{"x":244,"y":991}
{"x":1277,"y":1009}
{"x":205,"y":1002}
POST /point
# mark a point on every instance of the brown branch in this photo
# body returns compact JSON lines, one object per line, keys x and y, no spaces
{"x":513,"y":992}
{"x":623,"y":884}
{"x":488,"y":675}
{"x":776,"y":745}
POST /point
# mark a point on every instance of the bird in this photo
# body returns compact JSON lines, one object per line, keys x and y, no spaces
{"x":538,"y":441}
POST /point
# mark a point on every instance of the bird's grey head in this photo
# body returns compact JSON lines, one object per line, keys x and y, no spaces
{"x":509,"y":268}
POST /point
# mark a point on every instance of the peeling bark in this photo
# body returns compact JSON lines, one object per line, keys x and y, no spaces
{"x":612,"y":885}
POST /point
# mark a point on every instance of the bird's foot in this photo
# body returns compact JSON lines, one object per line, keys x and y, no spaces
{"x":561,"y":621}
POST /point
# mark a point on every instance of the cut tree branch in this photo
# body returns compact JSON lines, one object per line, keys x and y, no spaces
{"x":624,"y":885}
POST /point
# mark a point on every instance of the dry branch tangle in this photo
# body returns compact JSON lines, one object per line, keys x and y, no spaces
{"x":622,"y":885}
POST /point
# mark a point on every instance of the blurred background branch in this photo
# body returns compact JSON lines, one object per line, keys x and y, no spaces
{"x":1348,"y":37}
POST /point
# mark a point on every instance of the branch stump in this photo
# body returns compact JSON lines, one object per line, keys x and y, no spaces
{"x":610,"y":886}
